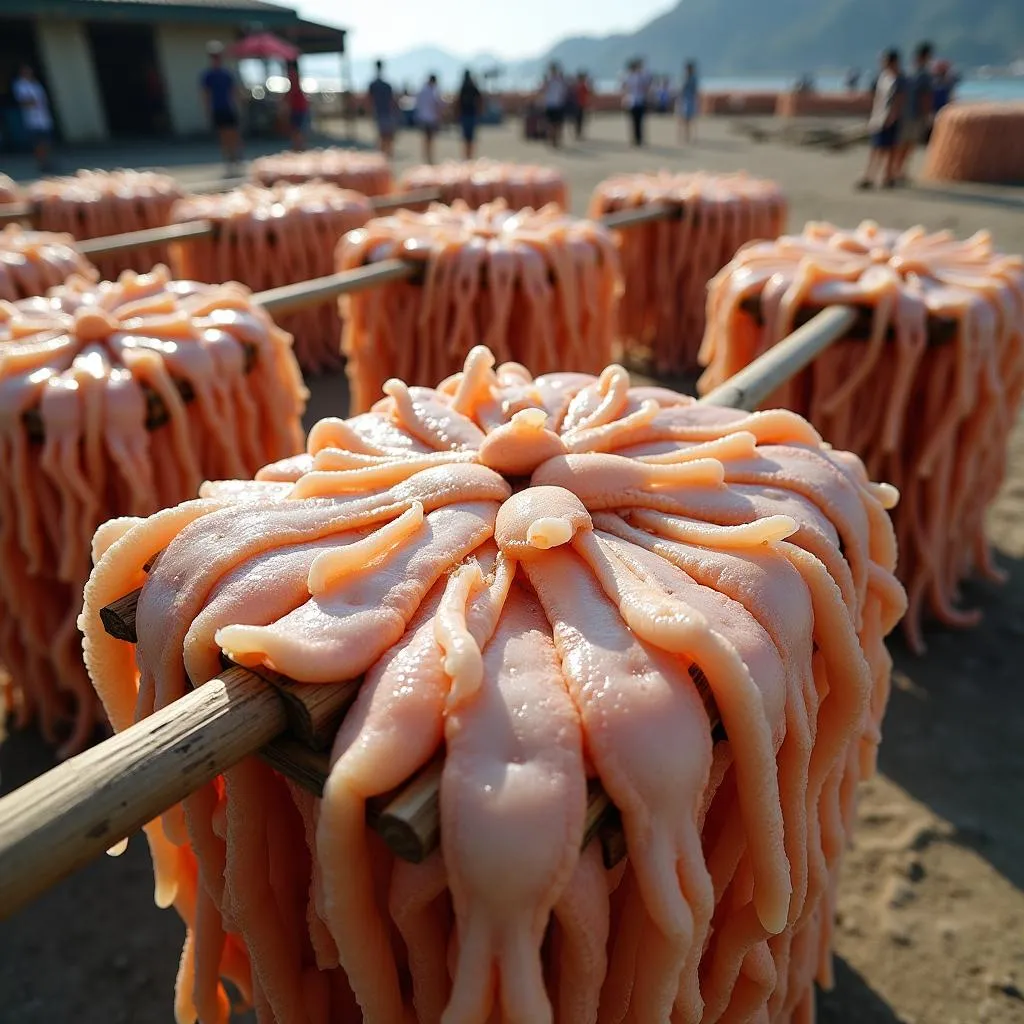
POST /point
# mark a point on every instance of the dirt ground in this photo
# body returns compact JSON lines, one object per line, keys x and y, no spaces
{"x":931,"y":913}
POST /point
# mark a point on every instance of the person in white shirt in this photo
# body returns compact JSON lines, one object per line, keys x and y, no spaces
{"x":428,"y":116}
{"x":35,"y":113}
{"x":556,"y":98}
{"x":635,"y":90}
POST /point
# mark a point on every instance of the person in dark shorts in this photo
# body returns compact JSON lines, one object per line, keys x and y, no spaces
{"x":385,"y":110}
{"x":556,"y":99}
{"x":916,"y":123}
{"x":884,"y":123}
{"x":298,"y":107}
{"x":469,"y":104}
{"x":219,"y":91}
{"x":636,"y":90}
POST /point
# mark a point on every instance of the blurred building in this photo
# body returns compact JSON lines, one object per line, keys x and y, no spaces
{"x":130,"y":68}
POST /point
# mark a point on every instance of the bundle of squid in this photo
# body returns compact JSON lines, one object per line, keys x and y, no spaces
{"x":368,"y":173}
{"x":537,"y":286}
{"x":117,"y":399}
{"x":94,"y":204}
{"x":926,"y":391}
{"x":977,"y":142}
{"x":9,"y":191}
{"x":32,"y":262}
{"x":666,"y":264}
{"x":476,"y":182}
{"x":267,"y":237}
{"x":556,"y":583}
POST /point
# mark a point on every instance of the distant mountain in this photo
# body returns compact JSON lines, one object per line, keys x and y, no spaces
{"x":740,"y":38}
{"x":751,"y":37}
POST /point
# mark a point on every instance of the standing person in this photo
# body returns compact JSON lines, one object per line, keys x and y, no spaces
{"x":470,"y":106}
{"x":634,"y":98}
{"x":382,"y":100}
{"x":556,"y":99}
{"x":944,"y":81}
{"x":916,"y":123}
{"x":298,"y":107}
{"x":687,"y":110}
{"x":884,"y":123}
{"x":428,"y":116}
{"x":581,"y":102}
{"x":35,"y":113}
{"x":220,"y":94}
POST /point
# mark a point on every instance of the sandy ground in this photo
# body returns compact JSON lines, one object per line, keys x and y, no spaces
{"x":931,"y":924}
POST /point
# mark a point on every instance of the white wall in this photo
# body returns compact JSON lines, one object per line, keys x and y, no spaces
{"x":74,"y":90}
{"x":181,"y":50}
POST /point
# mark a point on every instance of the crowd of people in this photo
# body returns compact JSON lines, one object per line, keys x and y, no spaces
{"x":902,"y":113}
{"x":903,"y":108}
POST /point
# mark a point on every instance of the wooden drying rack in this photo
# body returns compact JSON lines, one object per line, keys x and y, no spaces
{"x":73,"y":813}
{"x":29,"y":211}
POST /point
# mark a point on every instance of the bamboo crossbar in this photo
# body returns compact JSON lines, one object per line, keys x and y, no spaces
{"x":71,"y":814}
{"x":187,"y":230}
{"x":10,"y":212}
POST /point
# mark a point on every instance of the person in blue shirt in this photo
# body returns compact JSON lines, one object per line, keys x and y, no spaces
{"x":220,"y":91}
{"x":687,"y":105}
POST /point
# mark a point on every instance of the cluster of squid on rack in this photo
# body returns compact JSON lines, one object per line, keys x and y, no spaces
{"x":555,"y":580}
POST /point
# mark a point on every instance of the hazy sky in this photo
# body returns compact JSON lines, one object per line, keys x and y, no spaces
{"x":520,"y":28}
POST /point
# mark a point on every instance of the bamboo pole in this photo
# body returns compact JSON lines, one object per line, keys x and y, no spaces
{"x":148,"y":236}
{"x":10,"y":212}
{"x":757,"y":380}
{"x":290,"y":297}
{"x":70,"y":815}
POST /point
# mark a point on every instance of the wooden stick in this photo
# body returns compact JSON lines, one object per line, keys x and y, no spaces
{"x":10,"y":212}
{"x":149,"y":236}
{"x":757,"y":380}
{"x":940,"y":329}
{"x":403,"y":200}
{"x":634,"y":216}
{"x":291,"y":297}
{"x":67,"y":817}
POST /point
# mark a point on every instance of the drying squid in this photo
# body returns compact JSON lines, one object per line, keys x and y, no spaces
{"x":537,"y":286}
{"x":117,"y":399}
{"x":347,"y":168}
{"x":926,"y":393}
{"x":551,"y":582}
{"x":267,"y":237}
{"x":95,"y":204}
{"x":666,"y":264}
{"x":476,"y":182}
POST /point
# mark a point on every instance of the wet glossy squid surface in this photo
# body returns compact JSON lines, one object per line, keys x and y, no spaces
{"x":551,"y":580}
{"x":117,"y":399}
{"x":926,"y":393}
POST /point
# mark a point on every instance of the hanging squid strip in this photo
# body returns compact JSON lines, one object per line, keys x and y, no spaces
{"x":33,"y":262}
{"x":931,"y":413}
{"x":666,"y":265}
{"x":367,"y":173}
{"x":539,"y":287}
{"x":539,"y":632}
{"x":94,"y":204}
{"x":477,"y":182}
{"x":84,"y":361}
{"x":268,"y":237}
